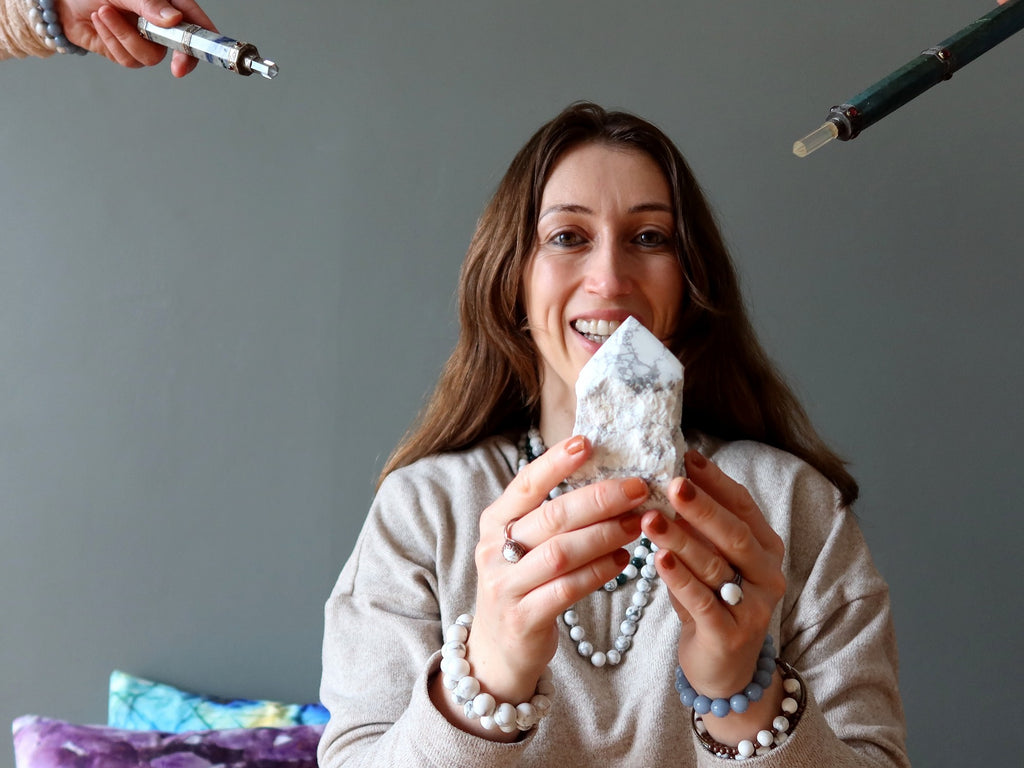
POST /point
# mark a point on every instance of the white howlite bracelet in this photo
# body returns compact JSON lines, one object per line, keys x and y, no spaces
{"x":765,"y":740}
{"x":477,"y":705}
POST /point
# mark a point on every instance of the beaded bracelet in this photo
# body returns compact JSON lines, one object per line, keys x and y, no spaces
{"x":43,"y":15}
{"x":738,"y":702}
{"x":481,"y":706}
{"x":765,"y":740}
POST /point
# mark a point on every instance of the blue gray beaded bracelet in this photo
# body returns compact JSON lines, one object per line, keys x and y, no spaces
{"x":476,"y":705}
{"x":44,"y":17}
{"x":738,"y":702}
{"x":792,"y":708}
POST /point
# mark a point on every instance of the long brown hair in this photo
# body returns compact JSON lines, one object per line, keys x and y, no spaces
{"x":491,"y":382}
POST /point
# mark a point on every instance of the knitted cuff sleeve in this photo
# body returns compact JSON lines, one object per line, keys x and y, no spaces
{"x":18,"y":39}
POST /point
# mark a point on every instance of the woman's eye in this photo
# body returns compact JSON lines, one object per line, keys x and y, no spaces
{"x":566,"y":239}
{"x":651,"y":238}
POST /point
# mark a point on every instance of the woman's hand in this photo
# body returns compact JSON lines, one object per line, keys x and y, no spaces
{"x":719,"y":531}
{"x":108,"y":27}
{"x":573,"y":545}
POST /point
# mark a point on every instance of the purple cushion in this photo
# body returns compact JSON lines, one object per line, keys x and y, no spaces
{"x":40,"y":742}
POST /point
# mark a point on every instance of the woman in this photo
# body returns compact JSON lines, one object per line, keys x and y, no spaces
{"x":106,"y":27}
{"x":599,"y":218}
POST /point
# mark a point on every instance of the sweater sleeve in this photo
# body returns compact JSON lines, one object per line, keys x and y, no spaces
{"x":836,"y":630}
{"x":383,"y":631}
{"x":17,"y":37}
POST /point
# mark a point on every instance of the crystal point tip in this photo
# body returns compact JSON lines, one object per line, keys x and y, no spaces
{"x":815,"y":139}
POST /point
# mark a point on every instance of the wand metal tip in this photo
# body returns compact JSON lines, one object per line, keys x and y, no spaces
{"x":815,"y":139}
{"x":265,"y":67}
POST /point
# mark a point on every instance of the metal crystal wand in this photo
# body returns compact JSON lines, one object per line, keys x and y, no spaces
{"x":929,"y":68}
{"x":207,"y":45}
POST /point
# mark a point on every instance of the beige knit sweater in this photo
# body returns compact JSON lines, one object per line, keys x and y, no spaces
{"x":17,"y":37}
{"x":412,"y":573}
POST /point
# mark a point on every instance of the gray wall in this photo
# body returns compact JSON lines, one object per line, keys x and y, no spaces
{"x":222,"y":301}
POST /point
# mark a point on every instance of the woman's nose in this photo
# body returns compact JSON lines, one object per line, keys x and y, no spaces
{"x":608,"y":271}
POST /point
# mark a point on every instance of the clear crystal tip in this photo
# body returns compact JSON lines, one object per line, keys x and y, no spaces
{"x":815,"y":139}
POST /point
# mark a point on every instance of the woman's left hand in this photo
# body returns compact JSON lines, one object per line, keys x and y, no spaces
{"x":719,"y":531}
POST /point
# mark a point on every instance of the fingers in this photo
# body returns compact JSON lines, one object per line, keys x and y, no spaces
{"x":712,"y":541}
{"x":692,"y":598}
{"x":576,"y":551}
{"x":182,"y":63}
{"x":122,"y":41}
{"x":719,"y":531}
{"x":159,"y":12}
{"x":731,"y":496}
{"x":531,"y":486}
{"x":166,"y":13}
{"x":732,"y":540}
{"x":579,"y":509}
{"x":579,"y":579}
{"x":126,"y":47}
{"x":701,"y":558}
{"x":571,"y":542}
{"x":192,"y":13}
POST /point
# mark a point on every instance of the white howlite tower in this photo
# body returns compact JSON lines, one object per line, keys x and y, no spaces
{"x":629,"y":404}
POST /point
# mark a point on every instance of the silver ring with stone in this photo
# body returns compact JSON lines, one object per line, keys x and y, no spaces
{"x":731,"y":591}
{"x":512,"y":550}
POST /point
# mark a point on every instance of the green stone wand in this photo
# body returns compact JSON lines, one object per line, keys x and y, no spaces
{"x":929,"y":68}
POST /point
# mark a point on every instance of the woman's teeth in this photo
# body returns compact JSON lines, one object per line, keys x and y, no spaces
{"x":596,"y":331}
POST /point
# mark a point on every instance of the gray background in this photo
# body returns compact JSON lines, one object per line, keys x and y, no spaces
{"x":222,"y":300}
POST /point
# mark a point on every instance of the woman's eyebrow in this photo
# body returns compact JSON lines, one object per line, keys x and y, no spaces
{"x":646,"y":207}
{"x":576,"y":208}
{"x":565,"y":208}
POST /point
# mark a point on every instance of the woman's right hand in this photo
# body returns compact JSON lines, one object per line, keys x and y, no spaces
{"x":108,"y":27}
{"x":574,"y":544}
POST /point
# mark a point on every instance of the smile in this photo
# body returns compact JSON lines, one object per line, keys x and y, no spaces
{"x":596,"y":331}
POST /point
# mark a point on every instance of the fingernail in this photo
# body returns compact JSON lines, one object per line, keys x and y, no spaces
{"x":667,"y":561}
{"x":687,"y":491}
{"x":697,"y":459}
{"x":635,"y":488}
{"x":621,"y":557}
{"x":576,"y":445}
{"x":630,"y":523}
{"x":168,"y":13}
{"x":659,"y":525}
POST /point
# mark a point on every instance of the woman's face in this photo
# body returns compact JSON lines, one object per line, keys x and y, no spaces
{"x":605,"y":250}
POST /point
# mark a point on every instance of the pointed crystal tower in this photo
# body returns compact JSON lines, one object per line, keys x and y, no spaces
{"x":629,"y":404}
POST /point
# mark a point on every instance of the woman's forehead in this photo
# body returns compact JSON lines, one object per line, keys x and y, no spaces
{"x":597,"y":174}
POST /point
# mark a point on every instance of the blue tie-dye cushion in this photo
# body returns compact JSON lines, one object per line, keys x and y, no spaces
{"x":44,"y":743}
{"x":143,"y":705}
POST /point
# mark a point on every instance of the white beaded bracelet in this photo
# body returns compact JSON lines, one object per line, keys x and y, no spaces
{"x":477,"y":705}
{"x":766,"y":740}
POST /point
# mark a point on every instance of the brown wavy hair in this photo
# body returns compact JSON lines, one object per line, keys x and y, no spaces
{"x":491,"y":382}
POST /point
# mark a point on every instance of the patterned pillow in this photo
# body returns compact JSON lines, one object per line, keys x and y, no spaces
{"x":143,"y":705}
{"x":43,"y":743}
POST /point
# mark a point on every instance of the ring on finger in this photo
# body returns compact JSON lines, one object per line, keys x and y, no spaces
{"x":731,"y":591}
{"x":512,"y":551}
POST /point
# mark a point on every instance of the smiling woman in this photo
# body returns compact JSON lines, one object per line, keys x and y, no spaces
{"x":597,"y":219}
{"x":605,"y":250}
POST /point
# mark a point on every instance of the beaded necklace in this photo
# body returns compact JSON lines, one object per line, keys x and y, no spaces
{"x":641,"y":567}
